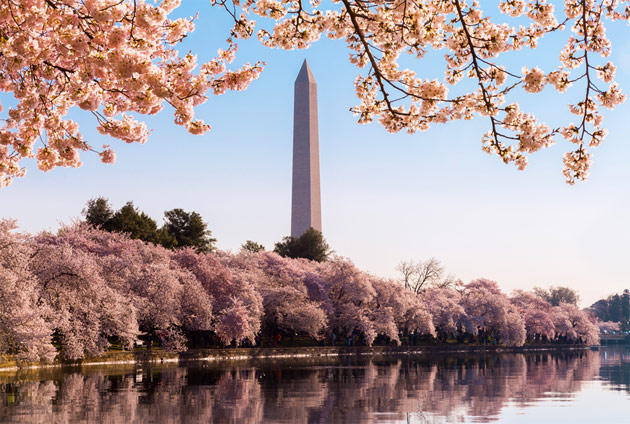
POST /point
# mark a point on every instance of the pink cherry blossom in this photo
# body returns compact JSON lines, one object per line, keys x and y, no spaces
{"x":112,"y":59}
{"x":23,"y":328}
{"x":489,"y":312}
{"x":118,"y":61}
{"x":85,"y":287}
{"x":536,"y":312}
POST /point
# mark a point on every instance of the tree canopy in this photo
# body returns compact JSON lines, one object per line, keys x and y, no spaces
{"x":181,"y":228}
{"x":97,"y":212}
{"x":130,"y":220}
{"x":615,"y":308}
{"x":188,"y":229}
{"x":310,"y":245}
{"x":252,"y":247}
{"x":558,"y":295}
{"x":115,"y":59}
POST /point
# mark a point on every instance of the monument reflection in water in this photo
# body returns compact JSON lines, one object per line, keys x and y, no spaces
{"x":465,"y":388}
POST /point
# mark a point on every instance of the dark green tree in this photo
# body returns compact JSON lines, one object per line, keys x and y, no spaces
{"x":164,"y":238}
{"x":97,"y":212}
{"x":130,"y":220}
{"x":615,"y":308}
{"x":625,"y":310}
{"x":601,"y":309}
{"x":181,"y":228}
{"x":310,"y":245}
{"x":188,"y":229}
{"x":252,"y":247}
{"x":558,"y":295}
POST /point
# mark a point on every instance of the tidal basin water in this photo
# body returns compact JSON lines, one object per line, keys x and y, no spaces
{"x":561,"y":387}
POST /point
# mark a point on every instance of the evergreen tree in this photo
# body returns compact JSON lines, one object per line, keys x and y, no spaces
{"x":310,"y":245}
{"x":181,"y":228}
{"x":97,"y":212}
{"x":137,"y":224}
{"x":615,"y":308}
{"x":625,"y":311}
{"x":188,"y":229}
{"x":252,"y":247}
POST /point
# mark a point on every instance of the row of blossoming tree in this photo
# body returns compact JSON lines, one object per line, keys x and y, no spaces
{"x":87,"y":287}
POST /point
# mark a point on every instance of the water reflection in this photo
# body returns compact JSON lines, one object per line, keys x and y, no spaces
{"x":615,"y":367}
{"x":442,"y":389}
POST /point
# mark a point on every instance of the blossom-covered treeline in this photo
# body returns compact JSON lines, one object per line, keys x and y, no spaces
{"x":83,"y":289}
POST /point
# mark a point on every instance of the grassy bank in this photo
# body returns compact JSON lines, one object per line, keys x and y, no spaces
{"x":9,"y":363}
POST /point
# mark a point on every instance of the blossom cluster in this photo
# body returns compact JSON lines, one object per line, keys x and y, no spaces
{"x":114,"y":59}
{"x":117,"y":59}
{"x":379,"y":32}
{"x":86,"y":286}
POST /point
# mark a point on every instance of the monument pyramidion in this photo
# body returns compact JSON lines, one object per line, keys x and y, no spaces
{"x":306,"y":208}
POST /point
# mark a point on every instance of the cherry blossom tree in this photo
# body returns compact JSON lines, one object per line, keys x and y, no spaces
{"x":237,"y":307}
{"x":370,"y":306}
{"x":168,"y":299}
{"x":575,"y":325}
{"x":401,"y":310}
{"x":536,"y":312}
{"x":489,"y":313}
{"x":23,"y":329}
{"x":447,"y":313}
{"x":158,"y":291}
{"x":83,"y":310}
{"x":116,"y":59}
{"x":352,"y":298}
{"x":286,"y":301}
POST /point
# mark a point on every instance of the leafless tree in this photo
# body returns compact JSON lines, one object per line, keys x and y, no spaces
{"x":417,"y":276}
{"x":451,"y":282}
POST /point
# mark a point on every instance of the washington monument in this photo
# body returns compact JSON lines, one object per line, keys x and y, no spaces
{"x":306,"y":208}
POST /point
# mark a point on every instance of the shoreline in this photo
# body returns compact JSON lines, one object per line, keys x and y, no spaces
{"x":9,"y":364}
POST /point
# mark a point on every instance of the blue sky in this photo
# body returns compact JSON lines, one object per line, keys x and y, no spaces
{"x":385,"y":198}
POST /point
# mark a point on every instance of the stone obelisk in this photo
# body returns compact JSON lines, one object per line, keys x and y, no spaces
{"x":306,"y":209}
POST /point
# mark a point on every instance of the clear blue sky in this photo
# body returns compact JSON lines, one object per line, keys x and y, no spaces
{"x":385,"y":198}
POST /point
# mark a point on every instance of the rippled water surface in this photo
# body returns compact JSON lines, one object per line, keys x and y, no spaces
{"x":567,"y":387}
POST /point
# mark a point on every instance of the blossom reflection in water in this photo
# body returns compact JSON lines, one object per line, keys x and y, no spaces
{"x":363,"y":390}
